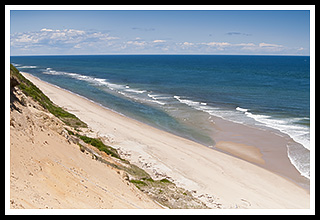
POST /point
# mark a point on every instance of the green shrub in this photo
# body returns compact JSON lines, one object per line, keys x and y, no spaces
{"x":139,"y":182}
{"x":165,"y":181}
{"x":100,"y":145}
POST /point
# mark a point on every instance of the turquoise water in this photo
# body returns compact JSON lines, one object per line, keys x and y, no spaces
{"x":179,"y":93}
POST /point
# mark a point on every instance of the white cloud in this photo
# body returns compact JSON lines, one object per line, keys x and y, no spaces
{"x":137,"y":43}
{"x":58,"y":35}
{"x":217,"y":44}
{"x":159,"y":41}
{"x":48,"y":39}
{"x":269,"y":45}
{"x":72,"y":41}
{"x":231,"y":48}
{"x":246,"y":44}
{"x":187,"y":44}
{"x":46,"y":29}
{"x":26,"y":38}
{"x":77,"y":46}
{"x":74,"y":32}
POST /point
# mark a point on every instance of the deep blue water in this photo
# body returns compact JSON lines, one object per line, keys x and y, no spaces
{"x":178,"y":92}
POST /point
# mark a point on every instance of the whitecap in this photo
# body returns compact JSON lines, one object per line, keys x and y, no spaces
{"x":187,"y":101}
{"x":158,"y":102}
{"x":50,"y":71}
{"x":91,"y":79}
{"x":135,"y":90}
{"x":241,"y":109}
{"x":28,"y":67}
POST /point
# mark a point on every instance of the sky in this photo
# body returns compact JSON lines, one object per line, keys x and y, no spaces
{"x":240,"y":32}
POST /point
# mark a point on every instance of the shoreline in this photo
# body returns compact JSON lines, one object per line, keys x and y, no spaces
{"x":233,"y":182}
{"x":265,"y":148}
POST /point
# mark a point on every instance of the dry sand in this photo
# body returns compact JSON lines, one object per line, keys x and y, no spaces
{"x":47,"y":171}
{"x":215,"y":177}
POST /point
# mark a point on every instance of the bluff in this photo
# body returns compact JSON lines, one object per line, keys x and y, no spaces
{"x":49,"y":169}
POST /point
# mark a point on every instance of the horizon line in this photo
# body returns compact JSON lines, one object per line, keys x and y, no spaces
{"x":119,"y":54}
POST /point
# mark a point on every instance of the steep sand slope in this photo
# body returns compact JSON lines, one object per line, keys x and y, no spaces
{"x":47,"y":171}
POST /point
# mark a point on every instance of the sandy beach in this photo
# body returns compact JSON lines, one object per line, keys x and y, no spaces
{"x":213,"y":176}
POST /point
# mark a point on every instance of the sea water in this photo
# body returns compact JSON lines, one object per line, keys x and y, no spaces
{"x":180,"y":93}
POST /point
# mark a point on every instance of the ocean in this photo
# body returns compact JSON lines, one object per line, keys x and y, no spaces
{"x":180,"y":93}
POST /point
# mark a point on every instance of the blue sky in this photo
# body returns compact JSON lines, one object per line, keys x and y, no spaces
{"x":159,"y":32}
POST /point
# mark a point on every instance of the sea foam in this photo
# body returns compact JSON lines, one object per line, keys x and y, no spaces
{"x":290,"y":126}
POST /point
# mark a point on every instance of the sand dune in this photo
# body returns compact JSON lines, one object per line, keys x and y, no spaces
{"x":47,"y":171}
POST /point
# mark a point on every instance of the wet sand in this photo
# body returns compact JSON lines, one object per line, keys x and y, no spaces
{"x":266,"y":148}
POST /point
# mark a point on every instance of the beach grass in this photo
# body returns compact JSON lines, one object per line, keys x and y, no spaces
{"x":35,"y":93}
{"x":100,"y":145}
